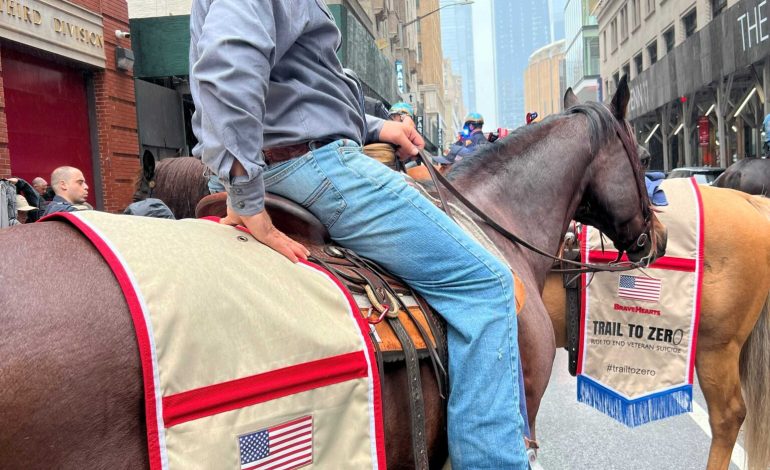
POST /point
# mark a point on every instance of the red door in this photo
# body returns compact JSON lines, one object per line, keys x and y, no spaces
{"x":47,"y":114}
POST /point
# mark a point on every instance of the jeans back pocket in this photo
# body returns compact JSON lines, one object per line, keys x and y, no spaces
{"x":302,"y":181}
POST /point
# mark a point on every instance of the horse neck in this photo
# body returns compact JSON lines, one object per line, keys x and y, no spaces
{"x":534,"y":186}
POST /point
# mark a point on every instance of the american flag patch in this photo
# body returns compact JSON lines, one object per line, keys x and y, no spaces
{"x":639,"y":288}
{"x":284,"y":446}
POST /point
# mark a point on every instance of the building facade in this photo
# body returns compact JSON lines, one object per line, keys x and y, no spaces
{"x":700,"y":75}
{"x":67,"y":95}
{"x":457,"y":41}
{"x":581,"y":62}
{"x":521,"y":27}
{"x":392,"y":46}
{"x":544,"y":80}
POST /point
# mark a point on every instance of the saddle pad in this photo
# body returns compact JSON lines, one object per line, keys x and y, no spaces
{"x":639,"y":328}
{"x":249,"y":361}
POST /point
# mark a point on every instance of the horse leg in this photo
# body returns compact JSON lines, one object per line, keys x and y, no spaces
{"x":718,"y":375}
{"x":538,"y":349}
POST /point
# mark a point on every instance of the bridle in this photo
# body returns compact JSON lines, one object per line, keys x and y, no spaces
{"x":581,"y":267}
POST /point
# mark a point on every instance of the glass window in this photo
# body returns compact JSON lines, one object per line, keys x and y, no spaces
{"x":650,"y":6}
{"x":638,"y":63}
{"x":614,"y":34}
{"x":717,"y":6}
{"x":623,"y":18}
{"x":592,"y":59}
{"x":652,"y":52}
{"x":690,"y":23}
{"x":636,"y":13}
{"x":604,"y":45}
{"x":615,"y":80}
{"x":626,"y":70}
{"x":669,"y":38}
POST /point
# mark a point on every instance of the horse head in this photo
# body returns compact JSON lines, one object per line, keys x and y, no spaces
{"x":626,"y":217}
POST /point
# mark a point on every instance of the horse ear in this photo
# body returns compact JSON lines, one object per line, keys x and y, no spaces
{"x":621,"y":98}
{"x":570,"y":99}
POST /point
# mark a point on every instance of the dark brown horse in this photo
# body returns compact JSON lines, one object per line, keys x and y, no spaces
{"x":750,"y":175}
{"x":70,"y":377}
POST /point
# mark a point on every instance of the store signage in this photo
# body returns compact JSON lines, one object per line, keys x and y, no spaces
{"x":704,"y":128}
{"x":55,"y":26}
{"x":400,"y":76}
{"x":420,"y":124}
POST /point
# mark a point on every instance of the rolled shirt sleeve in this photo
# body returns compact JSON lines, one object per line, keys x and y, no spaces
{"x":373,"y":128}
{"x":232,"y":54}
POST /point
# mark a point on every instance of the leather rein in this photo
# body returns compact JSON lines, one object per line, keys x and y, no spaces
{"x":581,"y":267}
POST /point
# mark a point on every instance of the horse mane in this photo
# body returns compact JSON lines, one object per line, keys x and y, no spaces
{"x":180,"y":184}
{"x":601,"y":127}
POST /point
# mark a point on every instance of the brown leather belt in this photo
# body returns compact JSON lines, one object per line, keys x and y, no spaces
{"x":281,"y":154}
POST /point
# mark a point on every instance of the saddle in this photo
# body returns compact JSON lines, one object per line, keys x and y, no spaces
{"x":403,"y":328}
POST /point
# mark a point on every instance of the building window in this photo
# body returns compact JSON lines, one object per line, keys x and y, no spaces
{"x":614,"y":34}
{"x":636,"y":14}
{"x":717,"y":6}
{"x":623,"y":17}
{"x":638,"y":63}
{"x":626,"y":70}
{"x":650,"y":7}
{"x":604,"y":45}
{"x":669,"y":38}
{"x":690,"y":23}
{"x":652,"y":51}
{"x":615,"y":80}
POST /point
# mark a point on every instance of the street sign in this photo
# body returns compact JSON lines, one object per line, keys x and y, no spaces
{"x":419,"y":124}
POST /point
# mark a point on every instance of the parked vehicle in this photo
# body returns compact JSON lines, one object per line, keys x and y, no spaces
{"x":702,"y":174}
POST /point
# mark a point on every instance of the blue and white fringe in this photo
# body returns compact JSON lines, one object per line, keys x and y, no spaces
{"x":634,"y":413}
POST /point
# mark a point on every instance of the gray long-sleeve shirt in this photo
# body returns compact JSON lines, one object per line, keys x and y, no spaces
{"x":265,"y":74}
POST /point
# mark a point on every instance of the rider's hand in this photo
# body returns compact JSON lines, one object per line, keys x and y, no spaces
{"x":262,"y":228}
{"x":403,"y":135}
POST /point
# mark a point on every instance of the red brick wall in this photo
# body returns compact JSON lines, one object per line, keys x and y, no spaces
{"x":116,"y":127}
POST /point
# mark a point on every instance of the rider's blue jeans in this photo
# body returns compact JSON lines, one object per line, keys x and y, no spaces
{"x":370,"y":209}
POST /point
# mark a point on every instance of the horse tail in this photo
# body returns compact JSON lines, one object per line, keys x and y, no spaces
{"x":755,"y":376}
{"x":755,"y":379}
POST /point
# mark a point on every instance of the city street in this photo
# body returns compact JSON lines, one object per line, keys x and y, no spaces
{"x":573,"y":436}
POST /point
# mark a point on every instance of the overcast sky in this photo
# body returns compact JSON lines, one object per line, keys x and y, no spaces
{"x":484,"y":63}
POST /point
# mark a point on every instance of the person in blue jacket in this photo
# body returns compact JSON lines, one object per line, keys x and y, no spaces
{"x":472,"y":138}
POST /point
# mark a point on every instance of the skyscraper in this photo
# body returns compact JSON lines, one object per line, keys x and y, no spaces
{"x":556,"y":8}
{"x":521,"y":27}
{"x":457,"y":43}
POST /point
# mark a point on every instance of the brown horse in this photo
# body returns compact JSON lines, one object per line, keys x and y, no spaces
{"x":750,"y":175}
{"x":71,"y":378}
{"x":734,"y":333}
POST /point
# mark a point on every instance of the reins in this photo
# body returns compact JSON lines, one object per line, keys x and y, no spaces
{"x":581,"y":267}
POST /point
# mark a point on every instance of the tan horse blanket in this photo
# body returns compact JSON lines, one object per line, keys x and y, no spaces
{"x":639,"y":328}
{"x":249,"y":361}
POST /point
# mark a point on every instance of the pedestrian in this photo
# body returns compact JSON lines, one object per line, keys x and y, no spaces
{"x":71,"y":190}
{"x":42,"y":188}
{"x":23,"y":209}
{"x":275,"y":112}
